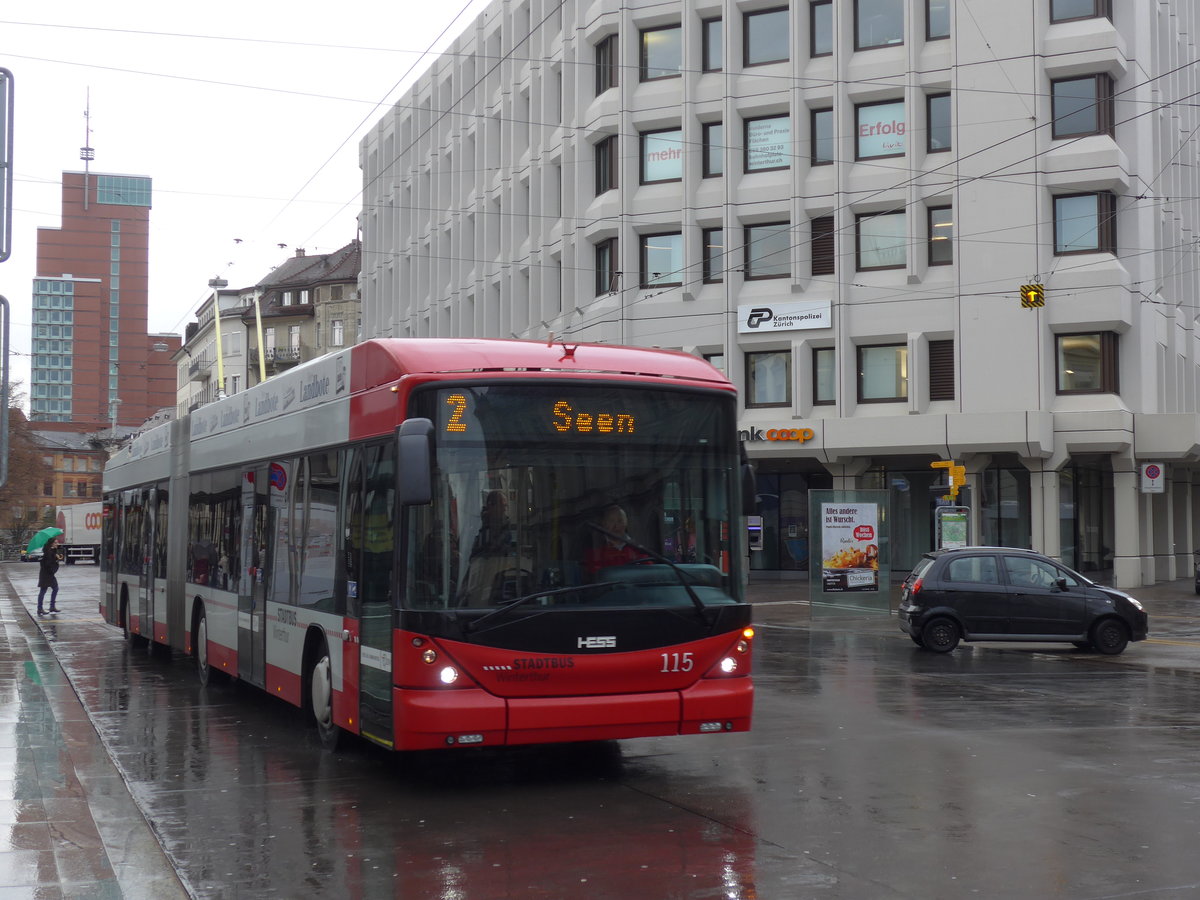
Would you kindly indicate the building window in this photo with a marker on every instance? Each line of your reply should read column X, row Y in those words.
column 824, row 246
column 880, row 129
column 1069, row 10
column 941, row 235
column 335, row 293
column 822, row 137
column 882, row 373
column 824, row 377
column 769, row 378
column 1082, row 106
column 937, row 119
column 714, row 149
column 1087, row 363
column 937, row 19
column 941, row 370
column 881, row 241
column 820, row 28
column 123, row 190
column 606, row 267
column 711, row 58
column 714, row 255
column 716, row 360
column 765, row 36
column 768, row 251
column 662, row 259
column 337, row 333
column 768, row 143
column 878, row 23
column 286, row 298
column 294, row 339
column 662, row 156
column 662, row 52
column 606, row 165
column 606, row 64
column 1085, row 223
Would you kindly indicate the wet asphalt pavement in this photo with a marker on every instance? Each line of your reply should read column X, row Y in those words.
column 874, row 769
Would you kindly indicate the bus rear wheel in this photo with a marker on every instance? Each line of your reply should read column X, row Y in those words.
column 200, row 648
column 320, row 698
column 131, row 639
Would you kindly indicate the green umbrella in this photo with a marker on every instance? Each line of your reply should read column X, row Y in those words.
column 38, row 541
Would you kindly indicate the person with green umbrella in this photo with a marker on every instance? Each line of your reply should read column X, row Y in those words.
column 47, row 577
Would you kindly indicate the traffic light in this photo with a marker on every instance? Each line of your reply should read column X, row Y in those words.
column 1033, row 295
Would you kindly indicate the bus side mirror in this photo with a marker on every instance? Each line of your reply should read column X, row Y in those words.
column 414, row 455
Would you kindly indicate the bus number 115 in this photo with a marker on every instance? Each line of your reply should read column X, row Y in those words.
column 677, row 662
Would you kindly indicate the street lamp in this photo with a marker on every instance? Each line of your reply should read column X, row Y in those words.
column 216, row 284
column 112, row 408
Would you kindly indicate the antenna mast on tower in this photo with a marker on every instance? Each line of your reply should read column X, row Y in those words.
column 86, row 153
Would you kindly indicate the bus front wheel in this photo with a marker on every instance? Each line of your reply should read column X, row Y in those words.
column 320, row 698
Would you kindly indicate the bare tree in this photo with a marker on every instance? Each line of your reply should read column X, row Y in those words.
column 21, row 509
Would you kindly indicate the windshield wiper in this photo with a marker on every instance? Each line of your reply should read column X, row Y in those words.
column 701, row 609
column 511, row 604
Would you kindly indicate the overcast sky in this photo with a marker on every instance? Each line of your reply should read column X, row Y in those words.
column 246, row 115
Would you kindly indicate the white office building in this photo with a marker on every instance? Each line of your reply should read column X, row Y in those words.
column 909, row 230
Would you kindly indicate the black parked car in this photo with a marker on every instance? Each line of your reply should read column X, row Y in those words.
column 1007, row 594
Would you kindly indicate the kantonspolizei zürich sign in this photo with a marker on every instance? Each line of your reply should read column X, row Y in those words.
column 788, row 315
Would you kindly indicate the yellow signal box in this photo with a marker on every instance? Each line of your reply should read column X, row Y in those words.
column 1033, row 295
column 957, row 473
column 958, row 477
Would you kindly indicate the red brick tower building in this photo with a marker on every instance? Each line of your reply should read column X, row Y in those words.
column 94, row 363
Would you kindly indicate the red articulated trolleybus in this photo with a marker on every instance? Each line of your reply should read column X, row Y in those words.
column 416, row 542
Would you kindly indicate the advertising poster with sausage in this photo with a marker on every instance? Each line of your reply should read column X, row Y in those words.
column 850, row 546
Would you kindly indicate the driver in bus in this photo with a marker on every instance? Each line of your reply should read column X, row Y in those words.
column 614, row 549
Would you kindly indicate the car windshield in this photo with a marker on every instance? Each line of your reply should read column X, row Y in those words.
column 588, row 496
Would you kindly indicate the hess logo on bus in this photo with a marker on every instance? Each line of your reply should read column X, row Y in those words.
column 598, row 642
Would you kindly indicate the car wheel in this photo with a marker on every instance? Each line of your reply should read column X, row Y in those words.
column 1110, row 636
column 940, row 635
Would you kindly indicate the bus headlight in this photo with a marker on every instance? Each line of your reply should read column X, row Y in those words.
column 448, row 675
column 729, row 665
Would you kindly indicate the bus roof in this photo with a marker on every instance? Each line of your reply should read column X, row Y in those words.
column 333, row 378
column 392, row 358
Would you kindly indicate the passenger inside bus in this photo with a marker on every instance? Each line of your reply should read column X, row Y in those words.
column 495, row 571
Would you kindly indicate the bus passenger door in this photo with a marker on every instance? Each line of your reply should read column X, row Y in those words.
column 255, row 576
column 372, row 531
column 146, row 578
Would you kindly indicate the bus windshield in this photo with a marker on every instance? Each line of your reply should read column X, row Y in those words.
column 575, row 494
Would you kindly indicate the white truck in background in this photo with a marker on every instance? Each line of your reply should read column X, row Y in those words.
column 81, row 524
